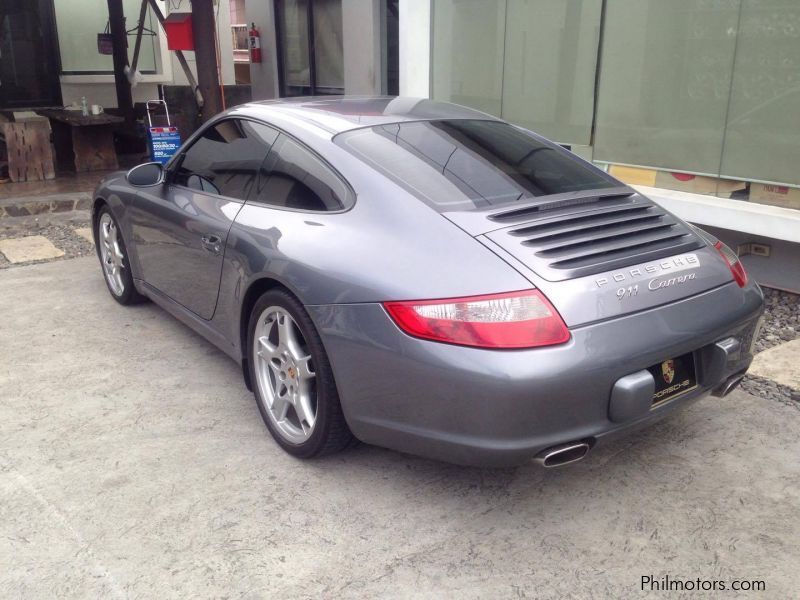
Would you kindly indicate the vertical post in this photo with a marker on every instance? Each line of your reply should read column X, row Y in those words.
column 415, row 47
column 116, row 19
column 205, row 52
column 312, row 53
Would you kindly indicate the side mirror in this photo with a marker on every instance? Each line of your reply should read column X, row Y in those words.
column 146, row 175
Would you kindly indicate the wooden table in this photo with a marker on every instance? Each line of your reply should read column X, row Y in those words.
column 83, row 143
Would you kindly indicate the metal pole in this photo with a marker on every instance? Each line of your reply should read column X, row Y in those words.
column 181, row 58
column 205, row 53
column 116, row 19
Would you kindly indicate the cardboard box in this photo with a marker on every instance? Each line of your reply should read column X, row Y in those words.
column 634, row 175
column 776, row 195
column 698, row 184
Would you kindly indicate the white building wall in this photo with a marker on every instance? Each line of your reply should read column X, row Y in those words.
column 264, row 76
column 415, row 48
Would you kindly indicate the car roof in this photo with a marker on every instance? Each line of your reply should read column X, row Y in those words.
column 336, row 114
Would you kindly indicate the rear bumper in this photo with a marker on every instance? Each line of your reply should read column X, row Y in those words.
column 494, row 408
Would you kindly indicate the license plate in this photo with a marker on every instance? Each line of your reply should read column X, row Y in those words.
column 674, row 376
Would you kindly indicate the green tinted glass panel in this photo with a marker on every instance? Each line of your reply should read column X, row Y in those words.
column 664, row 82
column 550, row 62
column 468, row 40
column 763, row 135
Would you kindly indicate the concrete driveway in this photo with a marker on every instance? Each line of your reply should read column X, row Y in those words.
column 133, row 463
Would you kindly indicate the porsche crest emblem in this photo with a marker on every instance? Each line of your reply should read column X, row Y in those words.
column 668, row 370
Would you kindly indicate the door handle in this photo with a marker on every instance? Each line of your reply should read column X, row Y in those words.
column 211, row 242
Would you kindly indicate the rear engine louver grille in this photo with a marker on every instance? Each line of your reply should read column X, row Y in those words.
column 584, row 240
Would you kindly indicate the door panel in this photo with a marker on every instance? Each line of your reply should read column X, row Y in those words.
column 180, row 236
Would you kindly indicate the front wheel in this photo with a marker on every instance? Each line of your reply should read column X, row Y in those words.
column 114, row 259
column 293, row 380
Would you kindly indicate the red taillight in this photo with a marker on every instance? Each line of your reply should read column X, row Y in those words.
column 736, row 266
column 513, row 320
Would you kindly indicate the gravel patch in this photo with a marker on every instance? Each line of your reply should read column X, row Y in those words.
column 62, row 235
column 769, row 390
column 781, row 325
column 781, row 319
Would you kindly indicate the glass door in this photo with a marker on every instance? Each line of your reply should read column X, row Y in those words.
column 310, row 57
column 28, row 56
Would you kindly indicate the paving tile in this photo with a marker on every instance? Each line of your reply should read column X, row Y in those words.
column 780, row 364
column 26, row 249
column 86, row 233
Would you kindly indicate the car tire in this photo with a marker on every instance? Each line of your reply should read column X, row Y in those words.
column 113, row 257
column 284, row 385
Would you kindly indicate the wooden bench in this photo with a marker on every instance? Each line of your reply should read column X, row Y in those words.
column 83, row 143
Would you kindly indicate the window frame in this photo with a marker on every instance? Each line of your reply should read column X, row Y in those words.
column 176, row 161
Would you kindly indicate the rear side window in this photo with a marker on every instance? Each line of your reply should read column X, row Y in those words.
column 292, row 177
column 463, row 164
column 226, row 158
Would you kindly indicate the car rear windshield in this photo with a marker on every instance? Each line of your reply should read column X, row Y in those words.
column 463, row 164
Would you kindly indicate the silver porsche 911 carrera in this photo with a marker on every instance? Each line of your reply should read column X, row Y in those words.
column 428, row 278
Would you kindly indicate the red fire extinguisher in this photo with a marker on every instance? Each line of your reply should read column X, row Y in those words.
column 255, row 45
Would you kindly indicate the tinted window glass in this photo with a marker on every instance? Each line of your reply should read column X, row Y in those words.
column 226, row 158
column 460, row 164
column 292, row 177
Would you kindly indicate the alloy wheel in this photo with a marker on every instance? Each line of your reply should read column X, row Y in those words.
column 285, row 374
column 111, row 254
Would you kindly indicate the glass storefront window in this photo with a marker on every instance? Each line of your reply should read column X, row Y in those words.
column 310, row 47
column 550, row 63
column 79, row 22
column 293, row 24
column 762, row 141
column 467, row 45
column 695, row 95
column 328, row 51
column 664, row 83
column 28, row 58
column 530, row 61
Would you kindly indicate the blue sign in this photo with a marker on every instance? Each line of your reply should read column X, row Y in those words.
column 164, row 143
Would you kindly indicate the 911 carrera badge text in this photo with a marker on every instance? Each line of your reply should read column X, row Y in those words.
column 657, row 284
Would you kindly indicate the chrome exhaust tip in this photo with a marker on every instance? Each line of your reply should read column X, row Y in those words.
column 558, row 456
column 728, row 386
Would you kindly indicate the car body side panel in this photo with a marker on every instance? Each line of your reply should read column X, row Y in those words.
column 388, row 246
column 466, row 405
column 479, row 406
